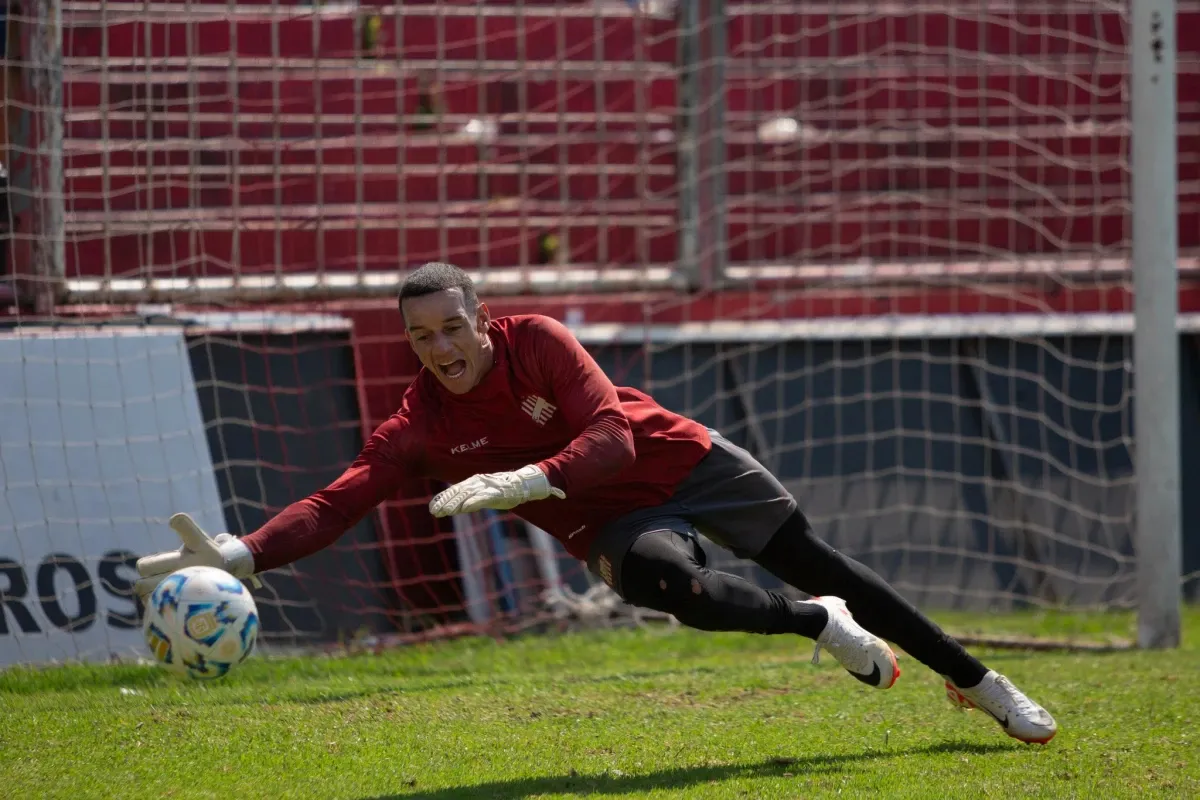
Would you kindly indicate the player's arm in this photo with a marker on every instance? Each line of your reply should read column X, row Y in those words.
column 301, row 529
column 603, row 443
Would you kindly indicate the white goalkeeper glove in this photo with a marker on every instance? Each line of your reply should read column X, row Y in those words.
column 225, row 552
column 498, row 490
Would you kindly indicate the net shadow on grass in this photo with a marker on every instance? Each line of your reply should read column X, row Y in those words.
column 683, row 777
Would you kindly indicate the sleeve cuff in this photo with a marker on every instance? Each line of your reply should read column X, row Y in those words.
column 239, row 561
column 553, row 476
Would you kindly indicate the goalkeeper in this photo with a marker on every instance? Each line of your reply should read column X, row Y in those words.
column 513, row 413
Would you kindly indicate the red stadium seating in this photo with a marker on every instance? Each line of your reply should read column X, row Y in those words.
column 201, row 145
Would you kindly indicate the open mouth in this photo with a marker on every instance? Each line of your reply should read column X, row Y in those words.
column 453, row 369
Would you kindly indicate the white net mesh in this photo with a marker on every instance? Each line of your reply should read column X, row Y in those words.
column 909, row 224
column 238, row 140
column 942, row 132
column 896, row 164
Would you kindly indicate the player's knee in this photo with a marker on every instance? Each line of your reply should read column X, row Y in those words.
column 681, row 584
column 664, row 585
column 684, row 592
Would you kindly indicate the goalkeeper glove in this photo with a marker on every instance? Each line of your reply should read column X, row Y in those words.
column 225, row 552
column 498, row 490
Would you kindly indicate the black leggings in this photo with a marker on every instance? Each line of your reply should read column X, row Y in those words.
column 665, row 570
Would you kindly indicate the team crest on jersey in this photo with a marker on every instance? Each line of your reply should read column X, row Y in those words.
column 538, row 408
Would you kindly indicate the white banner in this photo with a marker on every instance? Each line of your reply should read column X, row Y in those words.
column 101, row 441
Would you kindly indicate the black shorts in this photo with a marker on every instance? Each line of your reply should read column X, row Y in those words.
column 729, row 497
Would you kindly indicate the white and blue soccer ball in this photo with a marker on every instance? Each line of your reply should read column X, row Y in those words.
column 200, row 622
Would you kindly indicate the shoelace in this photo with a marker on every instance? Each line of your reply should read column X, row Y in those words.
column 1003, row 693
column 816, row 659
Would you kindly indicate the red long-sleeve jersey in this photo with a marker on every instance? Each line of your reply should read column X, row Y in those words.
column 545, row 401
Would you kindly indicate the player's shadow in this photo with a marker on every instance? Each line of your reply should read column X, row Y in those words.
column 681, row 778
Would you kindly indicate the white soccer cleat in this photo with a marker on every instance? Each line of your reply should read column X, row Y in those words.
column 864, row 655
column 1020, row 717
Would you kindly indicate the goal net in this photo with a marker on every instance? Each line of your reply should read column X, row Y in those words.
column 883, row 246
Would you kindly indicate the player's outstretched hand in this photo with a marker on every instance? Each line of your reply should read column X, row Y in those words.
column 498, row 490
column 198, row 550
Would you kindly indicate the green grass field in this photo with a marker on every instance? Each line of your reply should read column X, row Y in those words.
column 654, row 713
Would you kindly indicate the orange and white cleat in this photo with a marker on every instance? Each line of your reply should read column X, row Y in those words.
column 1020, row 717
column 864, row 655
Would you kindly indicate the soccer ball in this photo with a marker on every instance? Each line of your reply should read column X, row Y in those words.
column 200, row 622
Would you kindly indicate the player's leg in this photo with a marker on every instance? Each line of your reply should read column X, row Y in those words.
column 660, row 564
column 665, row 570
column 796, row 555
column 736, row 500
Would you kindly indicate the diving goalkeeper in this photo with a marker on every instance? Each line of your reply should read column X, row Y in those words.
column 513, row 413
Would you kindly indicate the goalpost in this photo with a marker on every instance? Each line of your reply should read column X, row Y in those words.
column 1156, row 344
column 924, row 260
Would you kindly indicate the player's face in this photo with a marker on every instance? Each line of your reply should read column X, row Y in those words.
column 450, row 339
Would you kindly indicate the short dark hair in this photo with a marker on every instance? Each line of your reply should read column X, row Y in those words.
column 438, row 277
